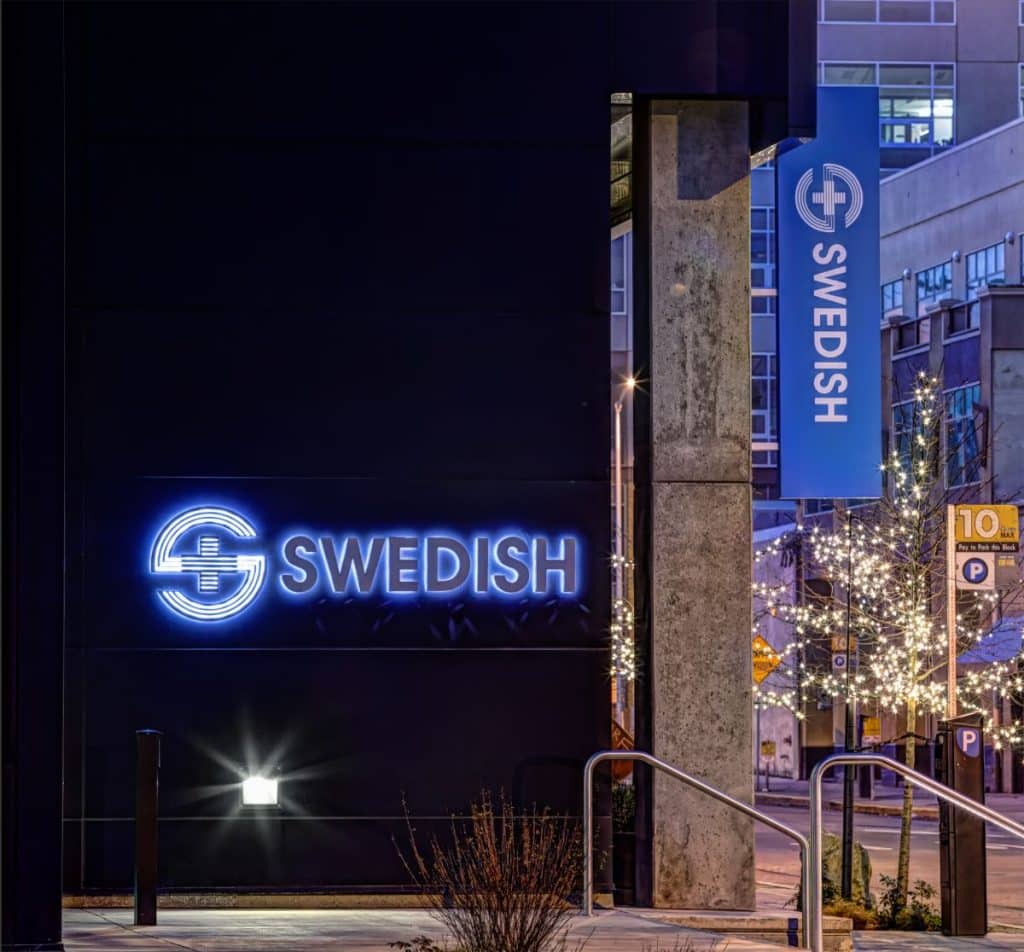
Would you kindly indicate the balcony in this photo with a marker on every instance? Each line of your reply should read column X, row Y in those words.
column 909, row 335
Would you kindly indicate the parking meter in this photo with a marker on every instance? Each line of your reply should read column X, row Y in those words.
column 960, row 764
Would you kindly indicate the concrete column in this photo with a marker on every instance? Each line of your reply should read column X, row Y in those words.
column 701, row 517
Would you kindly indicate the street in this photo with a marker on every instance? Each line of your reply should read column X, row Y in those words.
column 778, row 861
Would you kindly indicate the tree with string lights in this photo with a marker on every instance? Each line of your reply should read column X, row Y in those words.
column 880, row 580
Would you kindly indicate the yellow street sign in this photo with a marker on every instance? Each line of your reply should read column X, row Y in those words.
column 987, row 528
column 767, row 748
column 872, row 730
column 766, row 659
column 839, row 643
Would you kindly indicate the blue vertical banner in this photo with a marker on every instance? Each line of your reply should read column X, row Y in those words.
column 830, row 418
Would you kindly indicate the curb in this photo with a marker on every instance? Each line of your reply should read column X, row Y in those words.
column 870, row 809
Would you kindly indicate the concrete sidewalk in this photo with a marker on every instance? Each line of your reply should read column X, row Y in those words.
column 887, row 801
column 366, row 930
column 358, row 930
column 931, row 942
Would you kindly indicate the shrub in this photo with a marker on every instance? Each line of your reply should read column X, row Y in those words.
column 503, row 883
column 917, row 915
column 863, row 918
column 421, row 943
column 623, row 807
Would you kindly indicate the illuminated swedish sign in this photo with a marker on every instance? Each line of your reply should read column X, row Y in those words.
column 203, row 577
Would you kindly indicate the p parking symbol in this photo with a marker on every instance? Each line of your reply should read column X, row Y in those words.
column 975, row 571
column 968, row 739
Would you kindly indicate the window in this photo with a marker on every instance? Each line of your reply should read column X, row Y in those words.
column 620, row 276
column 915, row 105
column 762, row 247
column 762, row 305
column 963, row 455
column 892, row 296
column 933, row 284
column 985, row 267
column 763, row 374
column 888, row 11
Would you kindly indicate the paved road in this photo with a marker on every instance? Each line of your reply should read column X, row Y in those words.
column 778, row 862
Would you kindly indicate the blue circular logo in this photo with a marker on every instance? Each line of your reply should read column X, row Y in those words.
column 190, row 545
column 975, row 571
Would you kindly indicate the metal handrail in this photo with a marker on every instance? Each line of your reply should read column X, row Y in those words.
column 812, row 917
column 588, row 822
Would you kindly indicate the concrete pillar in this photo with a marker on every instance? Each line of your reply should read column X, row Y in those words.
column 700, row 506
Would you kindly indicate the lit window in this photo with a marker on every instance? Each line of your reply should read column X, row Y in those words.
column 915, row 104
column 963, row 455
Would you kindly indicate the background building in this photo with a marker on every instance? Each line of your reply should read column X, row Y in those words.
column 951, row 304
column 947, row 70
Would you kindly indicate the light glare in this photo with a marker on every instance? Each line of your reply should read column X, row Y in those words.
column 259, row 792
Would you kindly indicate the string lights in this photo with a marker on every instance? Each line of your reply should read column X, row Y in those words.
column 886, row 570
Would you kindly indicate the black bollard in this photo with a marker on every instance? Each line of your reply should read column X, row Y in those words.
column 147, row 780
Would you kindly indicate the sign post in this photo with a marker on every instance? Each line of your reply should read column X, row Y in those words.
column 950, row 614
column 766, row 660
column 982, row 542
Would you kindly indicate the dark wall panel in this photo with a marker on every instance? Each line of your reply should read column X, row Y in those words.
column 341, row 268
column 341, row 265
column 352, row 733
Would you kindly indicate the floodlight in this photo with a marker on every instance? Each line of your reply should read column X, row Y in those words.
column 259, row 792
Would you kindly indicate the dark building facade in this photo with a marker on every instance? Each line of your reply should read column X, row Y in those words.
column 306, row 419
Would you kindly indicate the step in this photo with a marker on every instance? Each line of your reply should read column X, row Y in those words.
column 773, row 928
column 869, row 807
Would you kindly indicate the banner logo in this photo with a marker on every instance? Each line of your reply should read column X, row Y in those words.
column 831, row 199
column 191, row 544
column 830, row 406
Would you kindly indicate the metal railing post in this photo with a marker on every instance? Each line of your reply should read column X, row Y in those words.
column 813, row 920
column 147, row 779
column 588, row 837
column 744, row 808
